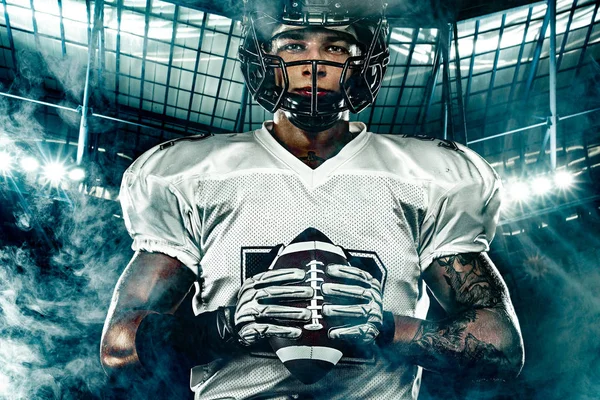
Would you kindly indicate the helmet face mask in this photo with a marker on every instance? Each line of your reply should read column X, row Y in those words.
column 267, row 75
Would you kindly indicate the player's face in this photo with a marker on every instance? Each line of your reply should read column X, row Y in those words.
column 313, row 44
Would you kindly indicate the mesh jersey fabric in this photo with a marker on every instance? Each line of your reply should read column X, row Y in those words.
column 403, row 201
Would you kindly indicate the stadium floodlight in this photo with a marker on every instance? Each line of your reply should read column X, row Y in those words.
column 563, row 179
column 29, row 164
column 76, row 174
column 519, row 191
column 5, row 162
column 541, row 185
column 54, row 172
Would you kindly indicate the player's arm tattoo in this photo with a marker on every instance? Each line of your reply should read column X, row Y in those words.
column 469, row 278
column 481, row 337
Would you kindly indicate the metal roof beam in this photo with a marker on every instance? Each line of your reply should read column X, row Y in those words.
column 411, row 51
column 447, row 113
column 566, row 35
column 212, row 118
column 168, row 80
column 587, row 40
column 490, row 91
column 550, row 133
column 431, row 84
column 10, row 37
column 513, row 85
column 99, row 60
column 195, row 74
column 536, row 54
column 515, row 80
column 34, row 25
column 62, row 28
column 459, row 88
column 552, row 129
column 118, row 49
column 82, row 142
column 145, row 50
column 471, row 66
column 101, row 55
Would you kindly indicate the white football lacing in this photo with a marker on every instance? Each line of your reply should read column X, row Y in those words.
column 315, row 306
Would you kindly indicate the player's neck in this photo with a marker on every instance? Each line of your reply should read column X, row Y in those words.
column 312, row 148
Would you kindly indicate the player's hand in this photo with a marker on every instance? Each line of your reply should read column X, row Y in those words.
column 359, row 299
column 262, row 302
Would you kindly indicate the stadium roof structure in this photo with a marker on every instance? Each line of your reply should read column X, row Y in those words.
column 115, row 77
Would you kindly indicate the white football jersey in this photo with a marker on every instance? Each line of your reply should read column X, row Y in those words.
column 221, row 204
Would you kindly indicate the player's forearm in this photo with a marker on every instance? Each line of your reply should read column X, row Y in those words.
column 142, row 347
column 118, row 354
column 481, row 343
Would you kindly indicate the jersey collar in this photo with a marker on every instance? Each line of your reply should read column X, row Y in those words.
column 313, row 178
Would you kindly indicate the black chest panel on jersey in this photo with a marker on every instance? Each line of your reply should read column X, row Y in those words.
column 255, row 260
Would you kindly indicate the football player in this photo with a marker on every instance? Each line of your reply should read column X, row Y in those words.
column 209, row 213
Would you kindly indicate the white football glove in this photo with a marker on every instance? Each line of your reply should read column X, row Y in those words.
column 261, row 298
column 360, row 298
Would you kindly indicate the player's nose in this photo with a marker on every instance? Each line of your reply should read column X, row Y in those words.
column 321, row 70
column 315, row 53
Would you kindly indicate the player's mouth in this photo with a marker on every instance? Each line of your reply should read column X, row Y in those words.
column 307, row 91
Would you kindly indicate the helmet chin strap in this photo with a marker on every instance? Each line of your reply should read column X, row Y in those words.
column 314, row 124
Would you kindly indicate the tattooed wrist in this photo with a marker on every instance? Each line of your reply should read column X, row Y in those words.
column 450, row 347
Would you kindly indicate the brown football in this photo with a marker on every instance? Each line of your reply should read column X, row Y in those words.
column 310, row 357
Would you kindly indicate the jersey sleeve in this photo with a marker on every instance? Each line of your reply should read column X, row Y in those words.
column 462, row 218
column 158, row 217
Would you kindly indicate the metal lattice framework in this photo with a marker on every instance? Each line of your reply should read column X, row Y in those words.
column 139, row 72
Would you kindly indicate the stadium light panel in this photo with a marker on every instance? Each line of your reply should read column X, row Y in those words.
column 76, row 174
column 541, row 185
column 54, row 172
column 563, row 179
column 29, row 164
column 519, row 191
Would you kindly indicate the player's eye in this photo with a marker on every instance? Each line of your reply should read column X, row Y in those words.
column 337, row 49
column 292, row 47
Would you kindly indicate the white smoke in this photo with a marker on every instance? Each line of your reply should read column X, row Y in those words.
column 53, row 302
column 59, row 259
